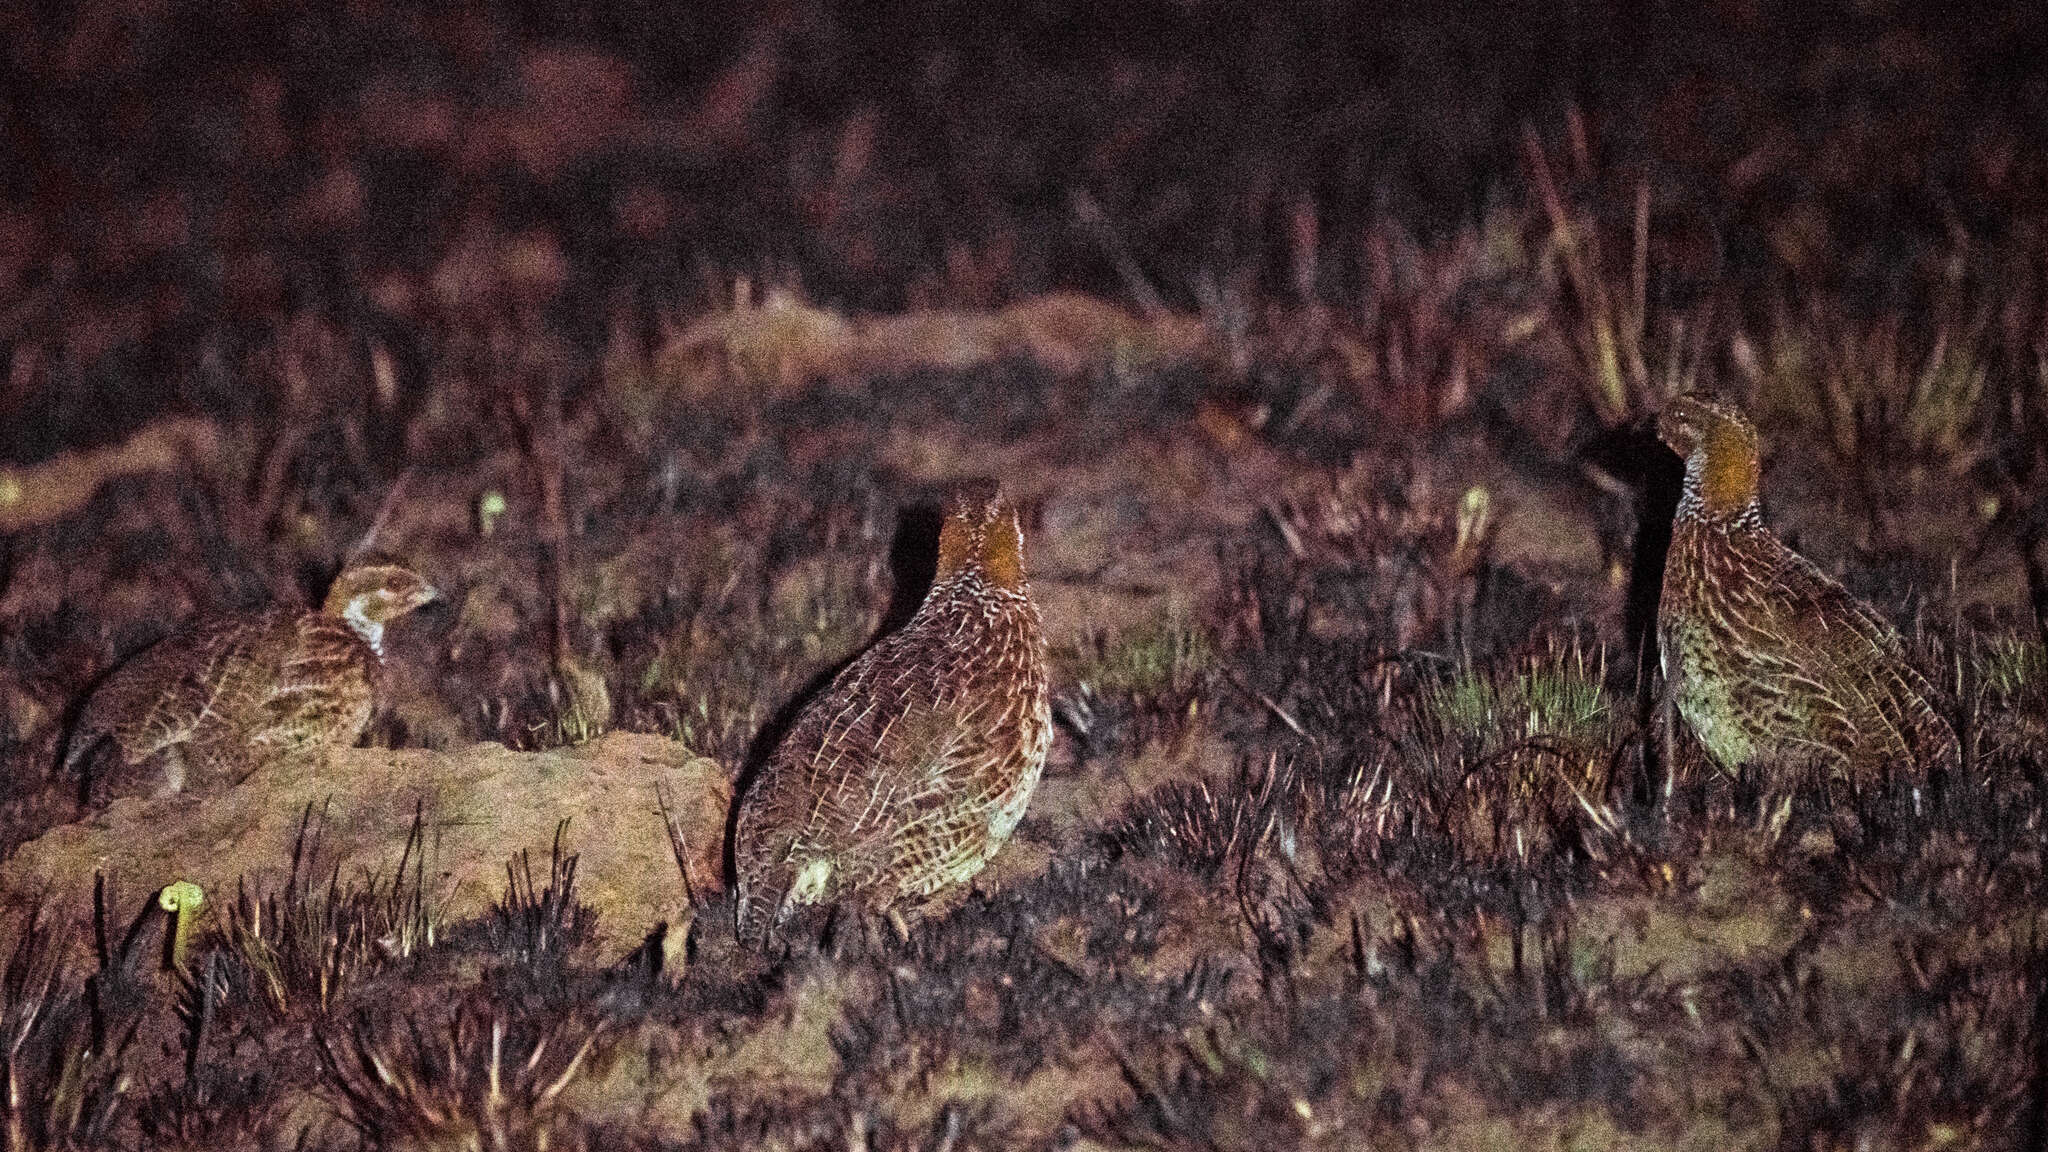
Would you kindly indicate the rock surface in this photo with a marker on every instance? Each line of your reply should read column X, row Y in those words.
column 481, row 805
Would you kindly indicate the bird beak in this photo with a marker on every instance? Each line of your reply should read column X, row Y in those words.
column 1674, row 432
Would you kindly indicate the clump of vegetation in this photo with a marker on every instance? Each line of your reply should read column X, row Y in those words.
column 1558, row 697
column 1392, row 553
column 1630, row 348
column 1167, row 657
column 66, row 1064
column 1274, row 839
column 489, row 1084
column 299, row 950
column 1516, row 756
column 2013, row 670
column 531, row 925
column 1898, row 406
column 1144, row 681
column 2012, row 674
column 1199, row 825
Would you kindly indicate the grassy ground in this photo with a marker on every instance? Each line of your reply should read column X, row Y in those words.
column 1318, row 348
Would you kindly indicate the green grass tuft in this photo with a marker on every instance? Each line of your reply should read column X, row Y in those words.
column 1167, row 655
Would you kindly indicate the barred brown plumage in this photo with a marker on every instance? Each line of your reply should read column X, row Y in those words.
column 207, row 705
column 903, row 778
column 1769, row 659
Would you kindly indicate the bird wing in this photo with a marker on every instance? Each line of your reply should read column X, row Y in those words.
column 809, row 787
column 311, row 685
column 1864, row 689
column 926, row 814
column 167, row 692
column 883, row 763
column 869, row 775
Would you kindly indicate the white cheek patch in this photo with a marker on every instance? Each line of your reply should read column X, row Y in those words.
column 370, row 630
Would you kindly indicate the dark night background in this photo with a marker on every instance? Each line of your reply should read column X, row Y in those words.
column 1319, row 344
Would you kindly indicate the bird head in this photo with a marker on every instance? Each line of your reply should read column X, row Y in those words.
column 373, row 595
column 1719, row 444
column 981, row 535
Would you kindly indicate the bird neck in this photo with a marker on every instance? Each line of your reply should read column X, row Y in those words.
column 991, row 556
column 359, row 622
column 973, row 585
column 1722, row 480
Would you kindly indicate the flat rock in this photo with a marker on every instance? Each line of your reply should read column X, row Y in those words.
column 480, row 806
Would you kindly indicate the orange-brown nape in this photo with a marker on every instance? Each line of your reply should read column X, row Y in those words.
column 897, row 784
column 1719, row 444
column 1769, row 660
column 981, row 534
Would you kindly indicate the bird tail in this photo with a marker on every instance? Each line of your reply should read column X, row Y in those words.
column 753, row 915
column 1932, row 742
column 761, row 902
column 758, row 905
column 88, row 732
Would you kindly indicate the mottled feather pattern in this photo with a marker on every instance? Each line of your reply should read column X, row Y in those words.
column 903, row 778
column 1770, row 659
column 210, row 703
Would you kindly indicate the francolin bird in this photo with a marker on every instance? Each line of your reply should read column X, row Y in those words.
column 1770, row 660
column 901, row 780
column 207, row 705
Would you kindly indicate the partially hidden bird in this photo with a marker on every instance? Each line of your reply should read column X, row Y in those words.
column 209, row 704
column 897, row 784
column 1768, row 659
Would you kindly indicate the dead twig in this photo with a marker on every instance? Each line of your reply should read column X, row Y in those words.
column 391, row 498
column 537, row 422
column 677, row 842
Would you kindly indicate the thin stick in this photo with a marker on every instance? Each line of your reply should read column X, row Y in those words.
column 383, row 517
column 676, row 841
column 1092, row 217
